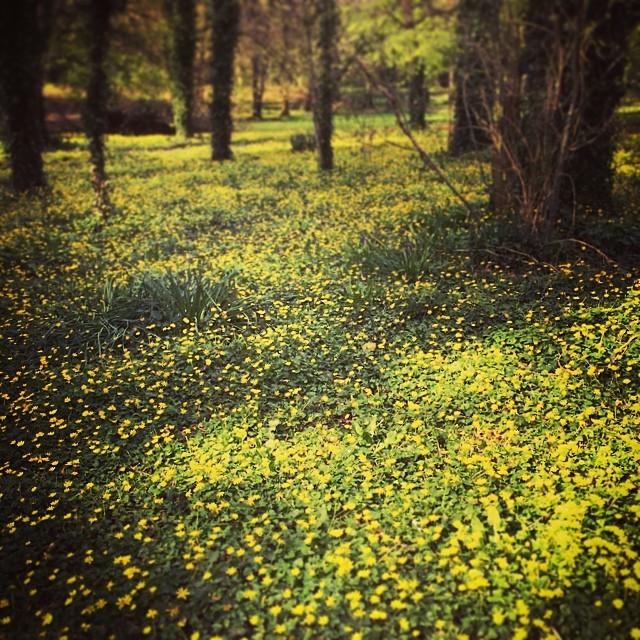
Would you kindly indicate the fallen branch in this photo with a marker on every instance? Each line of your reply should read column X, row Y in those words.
column 601, row 253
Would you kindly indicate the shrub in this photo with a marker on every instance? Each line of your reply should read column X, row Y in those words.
column 303, row 142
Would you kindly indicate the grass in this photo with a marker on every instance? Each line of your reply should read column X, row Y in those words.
column 263, row 402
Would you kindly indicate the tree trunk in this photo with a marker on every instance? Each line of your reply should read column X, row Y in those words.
column 418, row 97
column 286, row 107
column 506, row 133
column 258, row 80
column 21, row 91
column 323, row 85
column 226, row 18
column 95, row 111
column 181, row 16
column 590, row 169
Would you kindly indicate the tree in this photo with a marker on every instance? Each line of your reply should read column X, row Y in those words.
column 100, row 13
column 474, row 91
column 418, row 95
column 557, row 69
column 181, row 17
column 256, row 26
column 322, row 29
column 286, row 48
column 225, row 22
column 590, row 167
column 21, row 90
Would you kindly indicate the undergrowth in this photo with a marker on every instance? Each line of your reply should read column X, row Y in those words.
column 261, row 402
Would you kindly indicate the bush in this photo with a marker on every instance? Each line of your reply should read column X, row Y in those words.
column 303, row 142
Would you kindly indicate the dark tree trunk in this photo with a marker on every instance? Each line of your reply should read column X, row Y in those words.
column 473, row 85
column 181, row 16
column 323, row 89
column 226, row 19
column 21, row 91
column 418, row 97
column 590, row 169
column 258, row 80
column 95, row 110
column 507, row 131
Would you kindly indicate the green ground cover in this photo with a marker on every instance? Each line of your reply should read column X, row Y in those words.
column 261, row 402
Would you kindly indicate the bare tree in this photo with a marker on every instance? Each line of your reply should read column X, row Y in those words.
column 550, row 111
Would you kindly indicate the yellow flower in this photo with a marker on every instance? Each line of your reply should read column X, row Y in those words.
column 498, row 616
column 376, row 614
column 182, row 593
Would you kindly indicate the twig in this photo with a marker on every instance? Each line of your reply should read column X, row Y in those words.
column 601, row 253
column 533, row 259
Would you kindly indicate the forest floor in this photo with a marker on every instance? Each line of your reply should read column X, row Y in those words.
column 262, row 402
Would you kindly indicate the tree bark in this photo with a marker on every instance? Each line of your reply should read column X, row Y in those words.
column 95, row 110
column 21, row 92
column 590, row 169
column 181, row 16
column 258, row 80
column 226, row 18
column 506, row 132
column 323, row 86
column 418, row 97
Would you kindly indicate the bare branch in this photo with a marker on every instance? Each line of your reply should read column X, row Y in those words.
column 425, row 158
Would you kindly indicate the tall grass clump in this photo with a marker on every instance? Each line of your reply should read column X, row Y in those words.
column 428, row 246
column 152, row 302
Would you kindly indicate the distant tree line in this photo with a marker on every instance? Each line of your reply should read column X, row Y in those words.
column 535, row 83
